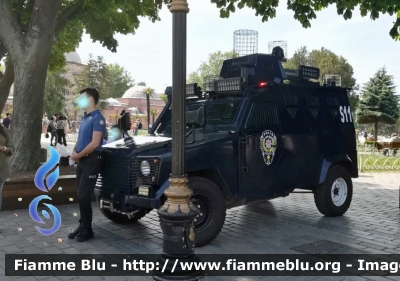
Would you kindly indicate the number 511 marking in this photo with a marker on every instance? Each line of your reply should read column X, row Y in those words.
column 345, row 114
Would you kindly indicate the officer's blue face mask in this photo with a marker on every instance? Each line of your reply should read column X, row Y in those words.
column 83, row 102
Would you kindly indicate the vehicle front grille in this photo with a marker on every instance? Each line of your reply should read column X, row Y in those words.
column 145, row 180
column 117, row 174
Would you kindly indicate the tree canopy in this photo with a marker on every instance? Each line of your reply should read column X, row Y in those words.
column 94, row 75
column 327, row 61
column 111, row 80
column 210, row 67
column 56, row 90
column 305, row 10
column 379, row 102
column 120, row 80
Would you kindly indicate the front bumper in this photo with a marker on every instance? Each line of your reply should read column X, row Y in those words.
column 127, row 203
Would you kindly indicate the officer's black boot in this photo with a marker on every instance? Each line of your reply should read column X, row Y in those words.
column 85, row 234
column 76, row 232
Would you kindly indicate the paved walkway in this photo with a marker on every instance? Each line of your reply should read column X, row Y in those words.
column 372, row 224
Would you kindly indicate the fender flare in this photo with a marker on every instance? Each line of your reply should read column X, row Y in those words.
column 161, row 190
column 327, row 163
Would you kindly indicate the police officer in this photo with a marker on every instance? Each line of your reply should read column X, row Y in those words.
column 87, row 153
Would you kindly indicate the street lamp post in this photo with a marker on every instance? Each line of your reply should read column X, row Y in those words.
column 178, row 213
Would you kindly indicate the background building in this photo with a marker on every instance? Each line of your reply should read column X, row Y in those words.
column 73, row 68
column 134, row 101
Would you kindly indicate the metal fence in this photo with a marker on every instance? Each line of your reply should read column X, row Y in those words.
column 71, row 137
column 378, row 163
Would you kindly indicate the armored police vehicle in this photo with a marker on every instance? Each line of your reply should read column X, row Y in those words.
column 257, row 132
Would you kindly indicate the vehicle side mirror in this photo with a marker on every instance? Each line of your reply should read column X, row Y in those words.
column 195, row 117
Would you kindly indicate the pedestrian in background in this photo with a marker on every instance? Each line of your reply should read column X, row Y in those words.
column 73, row 124
column 45, row 123
column 7, row 121
column 52, row 129
column 87, row 153
column 137, row 127
column 6, row 150
column 61, row 124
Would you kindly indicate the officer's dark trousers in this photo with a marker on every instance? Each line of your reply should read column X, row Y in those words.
column 87, row 171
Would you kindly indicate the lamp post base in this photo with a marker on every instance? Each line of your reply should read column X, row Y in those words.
column 177, row 216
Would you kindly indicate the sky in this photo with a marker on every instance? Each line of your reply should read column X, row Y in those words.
column 147, row 54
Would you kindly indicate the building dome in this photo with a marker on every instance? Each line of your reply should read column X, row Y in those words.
column 135, row 92
column 73, row 57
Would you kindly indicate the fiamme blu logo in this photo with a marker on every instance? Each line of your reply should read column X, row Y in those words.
column 45, row 184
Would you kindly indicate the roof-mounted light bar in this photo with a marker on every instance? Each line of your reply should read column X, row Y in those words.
column 308, row 72
column 228, row 85
column 191, row 90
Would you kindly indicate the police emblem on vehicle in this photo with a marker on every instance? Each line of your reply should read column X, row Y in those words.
column 268, row 142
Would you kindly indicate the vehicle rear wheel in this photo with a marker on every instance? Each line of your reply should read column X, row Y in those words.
column 208, row 198
column 122, row 219
column 333, row 197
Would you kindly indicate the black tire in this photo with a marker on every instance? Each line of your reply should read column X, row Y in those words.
column 323, row 195
column 123, row 219
column 209, row 199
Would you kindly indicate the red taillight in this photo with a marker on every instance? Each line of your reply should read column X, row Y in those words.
column 262, row 84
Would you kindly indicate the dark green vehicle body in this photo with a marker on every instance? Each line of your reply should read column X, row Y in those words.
column 304, row 128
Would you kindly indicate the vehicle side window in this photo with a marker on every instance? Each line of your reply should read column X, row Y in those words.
column 263, row 115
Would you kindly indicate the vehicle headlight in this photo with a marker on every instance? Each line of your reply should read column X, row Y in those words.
column 145, row 168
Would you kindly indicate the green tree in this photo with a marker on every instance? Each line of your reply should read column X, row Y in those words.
column 354, row 99
column 378, row 101
column 164, row 97
column 119, row 79
column 305, row 11
column 95, row 75
column 34, row 35
column 300, row 57
column 149, row 92
column 209, row 68
column 327, row 62
column 56, row 89
column 153, row 113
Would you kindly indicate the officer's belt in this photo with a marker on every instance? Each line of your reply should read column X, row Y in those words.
column 94, row 153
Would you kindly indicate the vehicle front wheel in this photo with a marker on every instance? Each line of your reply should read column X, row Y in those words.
column 122, row 219
column 333, row 197
column 208, row 198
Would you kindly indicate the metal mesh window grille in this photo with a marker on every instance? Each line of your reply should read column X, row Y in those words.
column 262, row 115
column 222, row 113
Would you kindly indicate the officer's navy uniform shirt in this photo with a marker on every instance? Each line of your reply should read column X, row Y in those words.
column 91, row 122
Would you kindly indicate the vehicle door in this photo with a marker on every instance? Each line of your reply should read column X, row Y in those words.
column 261, row 149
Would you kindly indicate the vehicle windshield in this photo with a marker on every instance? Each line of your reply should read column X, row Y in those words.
column 220, row 115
